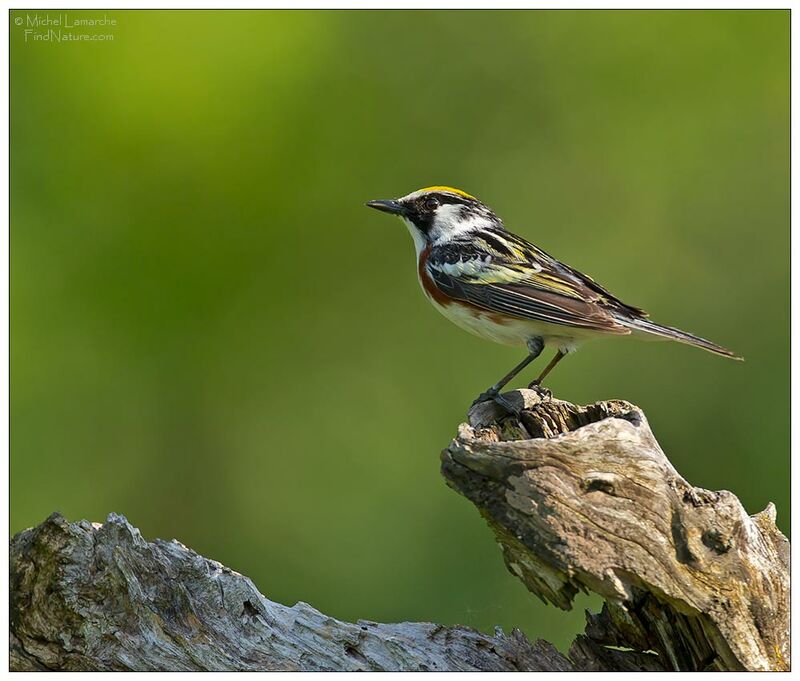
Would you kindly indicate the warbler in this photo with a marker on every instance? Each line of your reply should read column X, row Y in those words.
column 499, row 286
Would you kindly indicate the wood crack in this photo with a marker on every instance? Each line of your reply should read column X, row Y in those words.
column 690, row 581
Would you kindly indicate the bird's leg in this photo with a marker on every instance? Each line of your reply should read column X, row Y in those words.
column 537, row 384
column 535, row 347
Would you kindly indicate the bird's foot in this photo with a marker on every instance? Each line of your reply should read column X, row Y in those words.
column 544, row 393
column 492, row 395
column 486, row 396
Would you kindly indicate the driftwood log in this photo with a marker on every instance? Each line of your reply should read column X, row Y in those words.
column 579, row 498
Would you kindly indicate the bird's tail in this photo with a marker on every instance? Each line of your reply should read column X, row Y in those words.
column 671, row 333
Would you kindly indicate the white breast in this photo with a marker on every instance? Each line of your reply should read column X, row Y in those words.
column 507, row 330
column 515, row 332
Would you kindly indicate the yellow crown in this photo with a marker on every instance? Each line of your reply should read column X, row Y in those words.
column 442, row 188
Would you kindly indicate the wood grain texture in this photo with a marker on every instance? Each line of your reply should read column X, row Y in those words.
column 99, row 597
column 583, row 498
column 580, row 498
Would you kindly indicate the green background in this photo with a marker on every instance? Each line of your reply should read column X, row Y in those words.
column 212, row 335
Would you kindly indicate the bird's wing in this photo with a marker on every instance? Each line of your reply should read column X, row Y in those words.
column 501, row 272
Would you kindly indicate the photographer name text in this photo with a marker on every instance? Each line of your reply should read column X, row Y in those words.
column 62, row 27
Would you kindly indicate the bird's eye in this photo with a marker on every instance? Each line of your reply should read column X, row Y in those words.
column 431, row 203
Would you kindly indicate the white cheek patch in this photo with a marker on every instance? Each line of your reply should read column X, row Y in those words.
column 449, row 221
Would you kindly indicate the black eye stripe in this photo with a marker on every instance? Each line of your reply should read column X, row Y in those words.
column 444, row 198
column 423, row 215
column 425, row 204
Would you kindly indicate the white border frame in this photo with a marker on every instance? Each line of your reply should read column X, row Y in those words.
column 354, row 4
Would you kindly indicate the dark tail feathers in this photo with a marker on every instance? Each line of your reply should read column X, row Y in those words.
column 677, row 335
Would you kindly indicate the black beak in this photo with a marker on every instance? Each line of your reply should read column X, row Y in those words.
column 388, row 206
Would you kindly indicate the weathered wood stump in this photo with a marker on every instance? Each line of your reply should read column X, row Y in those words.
column 579, row 498
column 583, row 498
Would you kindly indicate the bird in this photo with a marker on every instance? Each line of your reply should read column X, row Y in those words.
column 495, row 284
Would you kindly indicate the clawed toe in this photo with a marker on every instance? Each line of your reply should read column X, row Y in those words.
column 497, row 398
column 544, row 393
column 505, row 404
column 486, row 396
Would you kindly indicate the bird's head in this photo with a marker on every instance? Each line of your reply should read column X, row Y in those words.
column 439, row 214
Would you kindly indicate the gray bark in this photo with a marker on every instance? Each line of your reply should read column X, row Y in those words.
column 583, row 499
column 99, row 597
column 579, row 498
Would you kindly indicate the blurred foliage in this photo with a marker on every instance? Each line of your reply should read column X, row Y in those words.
column 212, row 335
